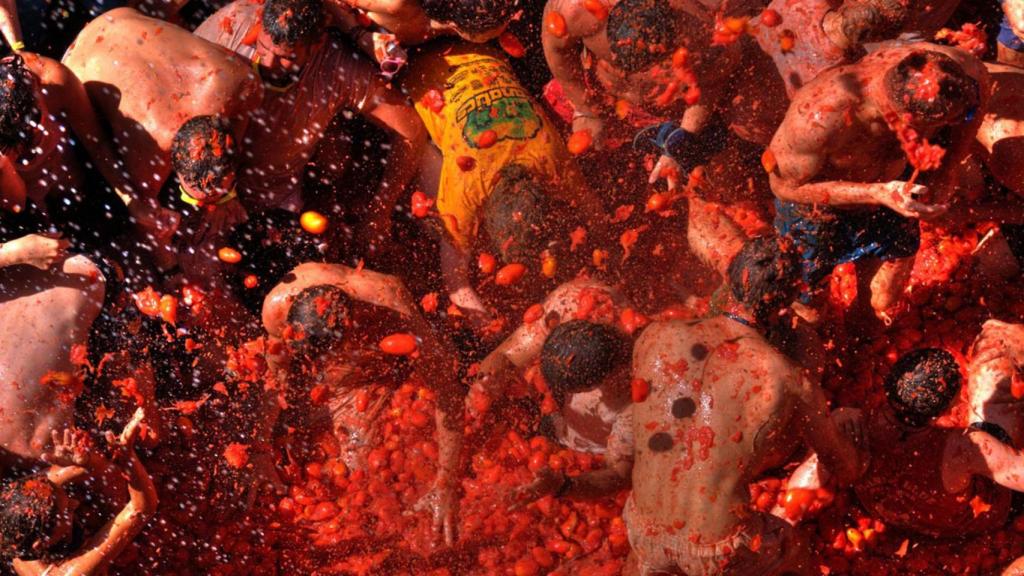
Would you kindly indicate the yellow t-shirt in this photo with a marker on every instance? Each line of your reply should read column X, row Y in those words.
column 481, row 95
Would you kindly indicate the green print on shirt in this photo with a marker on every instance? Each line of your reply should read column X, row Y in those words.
column 512, row 117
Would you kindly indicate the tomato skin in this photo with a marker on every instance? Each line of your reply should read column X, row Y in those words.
column 639, row 390
column 554, row 24
column 511, row 45
column 510, row 274
column 229, row 255
column 399, row 344
column 580, row 142
column 313, row 222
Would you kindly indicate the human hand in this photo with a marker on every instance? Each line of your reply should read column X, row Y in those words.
column 69, row 449
column 592, row 123
column 547, row 482
column 668, row 169
column 999, row 340
column 38, row 250
column 442, row 503
column 903, row 198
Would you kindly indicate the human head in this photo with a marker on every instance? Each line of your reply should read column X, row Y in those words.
column 921, row 385
column 870, row 20
column 764, row 277
column 641, row 33
column 18, row 105
column 321, row 313
column 35, row 514
column 516, row 215
column 579, row 355
column 204, row 156
column 290, row 28
column 932, row 88
column 473, row 20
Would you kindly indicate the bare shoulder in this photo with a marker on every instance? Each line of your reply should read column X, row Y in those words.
column 565, row 298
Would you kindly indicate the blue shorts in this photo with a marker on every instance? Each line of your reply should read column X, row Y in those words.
column 825, row 237
column 1008, row 38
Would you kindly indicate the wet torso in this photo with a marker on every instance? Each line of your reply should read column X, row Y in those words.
column 708, row 427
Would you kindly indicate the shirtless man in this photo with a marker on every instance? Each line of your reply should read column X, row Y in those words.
column 993, row 381
column 720, row 407
column 591, row 389
column 629, row 48
column 310, row 76
column 37, row 520
column 834, row 199
column 805, row 38
column 44, row 112
column 128, row 62
column 514, row 197
column 48, row 301
column 331, row 321
column 923, row 478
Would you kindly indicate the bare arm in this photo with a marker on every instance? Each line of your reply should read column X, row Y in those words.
column 712, row 235
column 837, row 452
column 111, row 540
column 9, row 25
column 408, row 138
column 82, row 118
column 12, row 186
column 982, row 454
column 1014, row 10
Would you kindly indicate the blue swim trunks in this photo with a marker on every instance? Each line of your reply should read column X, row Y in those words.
column 826, row 237
column 1008, row 38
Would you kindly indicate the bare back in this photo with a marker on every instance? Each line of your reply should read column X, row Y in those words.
column 42, row 315
column 1002, row 130
column 147, row 77
column 720, row 412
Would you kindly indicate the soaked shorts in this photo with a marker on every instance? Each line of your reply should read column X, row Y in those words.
column 760, row 546
column 1008, row 38
column 825, row 237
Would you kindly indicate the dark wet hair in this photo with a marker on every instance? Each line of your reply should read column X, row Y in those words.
column 641, row 32
column 515, row 215
column 291, row 22
column 28, row 512
column 203, row 152
column 578, row 355
column 472, row 16
column 17, row 102
column 921, row 385
column 872, row 20
column 320, row 312
column 764, row 277
column 956, row 93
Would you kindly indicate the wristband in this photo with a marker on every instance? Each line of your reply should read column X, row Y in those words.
column 17, row 45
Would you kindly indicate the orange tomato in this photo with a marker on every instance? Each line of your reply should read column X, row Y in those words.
column 596, row 8
column 639, row 390
column 229, row 255
column 510, row 274
column 169, row 309
column 148, row 301
column 770, row 18
column 786, row 41
column 486, row 263
column 549, row 267
column 251, row 281
column 511, row 45
column 421, row 204
column 554, row 24
column 487, row 139
column 313, row 222
column 533, row 313
column 399, row 344
column 465, row 163
column 656, row 202
column 580, row 142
